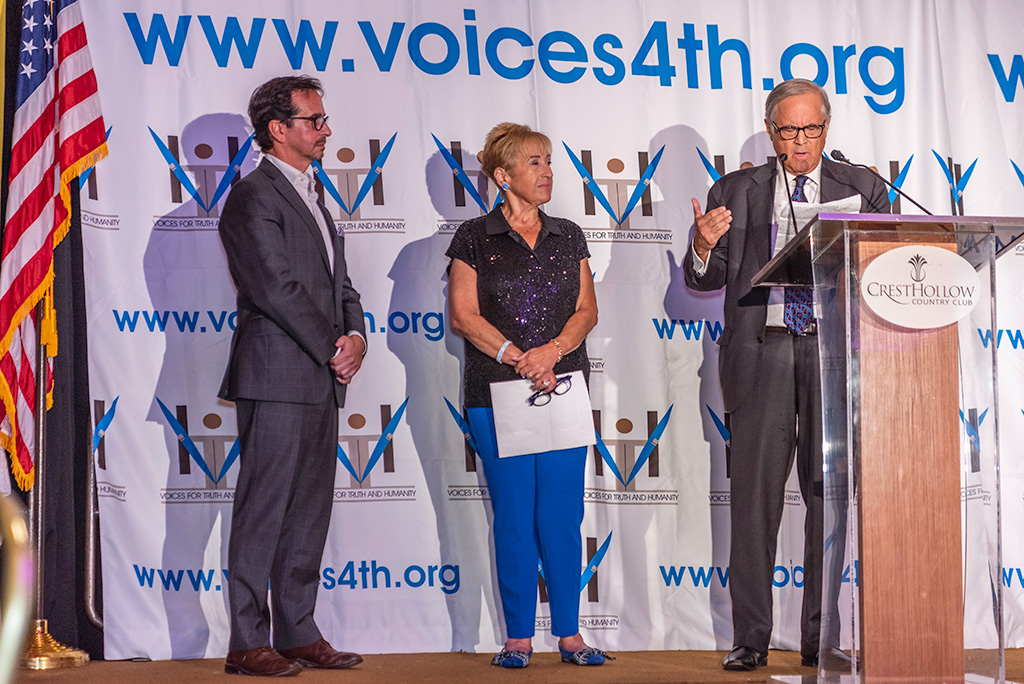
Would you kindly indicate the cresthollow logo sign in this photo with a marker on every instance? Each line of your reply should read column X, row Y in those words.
column 920, row 287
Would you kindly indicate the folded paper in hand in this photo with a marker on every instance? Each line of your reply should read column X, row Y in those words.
column 531, row 422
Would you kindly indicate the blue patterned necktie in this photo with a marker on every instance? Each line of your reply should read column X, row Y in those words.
column 799, row 300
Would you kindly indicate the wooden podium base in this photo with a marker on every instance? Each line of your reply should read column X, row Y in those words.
column 912, row 620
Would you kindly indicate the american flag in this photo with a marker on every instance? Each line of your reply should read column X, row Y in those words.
column 58, row 133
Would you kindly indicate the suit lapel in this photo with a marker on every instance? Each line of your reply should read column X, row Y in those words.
column 337, row 258
column 760, row 200
column 291, row 195
column 832, row 187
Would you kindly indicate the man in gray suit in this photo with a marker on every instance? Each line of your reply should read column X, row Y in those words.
column 298, row 343
column 768, row 357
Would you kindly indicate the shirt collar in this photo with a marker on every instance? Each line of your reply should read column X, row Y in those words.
column 496, row 223
column 814, row 176
column 301, row 179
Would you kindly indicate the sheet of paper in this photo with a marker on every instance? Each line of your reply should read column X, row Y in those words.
column 805, row 211
column 527, row 422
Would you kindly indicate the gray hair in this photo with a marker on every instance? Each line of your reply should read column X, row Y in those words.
column 795, row 86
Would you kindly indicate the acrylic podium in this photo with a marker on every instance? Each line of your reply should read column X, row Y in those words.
column 912, row 586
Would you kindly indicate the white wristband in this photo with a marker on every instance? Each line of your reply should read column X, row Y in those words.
column 501, row 351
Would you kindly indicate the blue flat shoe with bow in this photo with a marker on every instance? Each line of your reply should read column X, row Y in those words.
column 584, row 656
column 511, row 659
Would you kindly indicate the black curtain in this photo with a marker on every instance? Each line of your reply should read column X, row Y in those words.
column 68, row 423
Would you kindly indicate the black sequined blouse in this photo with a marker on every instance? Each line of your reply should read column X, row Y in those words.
column 528, row 295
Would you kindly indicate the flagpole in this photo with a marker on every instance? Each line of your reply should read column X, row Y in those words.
column 92, row 521
column 44, row 652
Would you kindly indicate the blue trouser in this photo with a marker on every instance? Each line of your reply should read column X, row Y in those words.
column 537, row 501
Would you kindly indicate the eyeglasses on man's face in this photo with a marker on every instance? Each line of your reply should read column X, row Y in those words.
column 318, row 120
column 812, row 131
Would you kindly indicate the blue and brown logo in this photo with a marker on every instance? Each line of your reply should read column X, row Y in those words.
column 898, row 176
column 721, row 497
column 618, row 195
column 1020, row 174
column 975, row 489
column 956, row 181
column 202, row 164
column 353, row 189
column 368, row 460
column 591, row 615
column 89, row 187
column 475, row 489
column 972, row 422
column 103, row 417
column 630, row 464
column 209, row 452
column 459, row 189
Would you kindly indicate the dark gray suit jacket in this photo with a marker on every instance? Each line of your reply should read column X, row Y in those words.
column 749, row 194
column 291, row 308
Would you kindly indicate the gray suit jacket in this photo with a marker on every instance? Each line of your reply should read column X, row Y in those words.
column 291, row 308
column 746, row 247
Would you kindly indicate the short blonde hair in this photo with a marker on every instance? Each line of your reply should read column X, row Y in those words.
column 504, row 145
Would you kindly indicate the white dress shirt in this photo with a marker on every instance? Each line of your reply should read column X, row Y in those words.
column 784, row 231
column 306, row 187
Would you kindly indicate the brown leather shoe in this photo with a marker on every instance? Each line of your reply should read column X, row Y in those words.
column 322, row 655
column 261, row 662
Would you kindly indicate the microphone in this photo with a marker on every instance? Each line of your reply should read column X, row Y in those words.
column 785, row 177
column 841, row 158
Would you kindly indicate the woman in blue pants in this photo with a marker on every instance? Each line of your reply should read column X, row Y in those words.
column 522, row 296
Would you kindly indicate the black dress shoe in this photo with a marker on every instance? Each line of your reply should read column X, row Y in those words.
column 830, row 658
column 744, row 658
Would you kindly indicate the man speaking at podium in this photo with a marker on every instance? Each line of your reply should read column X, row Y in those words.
column 768, row 356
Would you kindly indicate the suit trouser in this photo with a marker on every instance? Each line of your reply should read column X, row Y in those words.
column 782, row 414
column 537, row 501
column 281, row 513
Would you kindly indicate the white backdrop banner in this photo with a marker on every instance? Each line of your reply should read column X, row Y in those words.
column 654, row 100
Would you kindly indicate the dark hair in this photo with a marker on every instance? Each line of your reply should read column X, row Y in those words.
column 272, row 101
